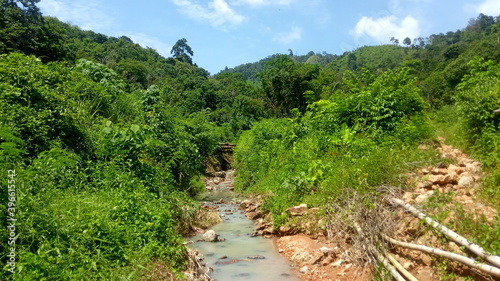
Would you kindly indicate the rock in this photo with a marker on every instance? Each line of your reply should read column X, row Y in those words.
column 316, row 258
column 327, row 251
column 210, row 236
column 328, row 260
column 245, row 204
column 227, row 262
column 254, row 215
column 285, row 230
column 209, row 188
column 425, row 171
column 256, row 257
column 220, row 174
column 436, row 179
column 444, row 179
column 304, row 269
column 466, row 181
column 268, row 230
column 338, row 263
column 427, row 260
column 298, row 210
column 425, row 185
column 437, row 171
column 221, row 239
column 300, row 257
column 450, row 178
column 223, row 257
column 441, row 165
column 456, row 169
column 198, row 230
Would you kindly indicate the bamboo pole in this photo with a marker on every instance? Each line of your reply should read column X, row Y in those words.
column 401, row 269
column 395, row 274
column 474, row 248
column 456, row 257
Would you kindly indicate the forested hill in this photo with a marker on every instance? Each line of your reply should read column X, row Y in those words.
column 106, row 142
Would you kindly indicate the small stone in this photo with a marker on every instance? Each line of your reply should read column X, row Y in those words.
column 325, row 250
column 427, row 260
column 256, row 257
column 425, row 185
column 304, row 269
column 338, row 263
column 210, row 236
column 223, row 257
column 441, row 165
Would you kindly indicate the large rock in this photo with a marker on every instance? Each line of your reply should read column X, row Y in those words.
column 298, row 210
column 210, row 236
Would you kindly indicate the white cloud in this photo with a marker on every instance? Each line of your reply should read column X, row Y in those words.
column 261, row 3
column 489, row 7
column 218, row 12
column 87, row 15
column 382, row 29
column 288, row 37
column 146, row 41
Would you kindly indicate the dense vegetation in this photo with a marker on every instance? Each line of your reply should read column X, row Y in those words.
column 108, row 139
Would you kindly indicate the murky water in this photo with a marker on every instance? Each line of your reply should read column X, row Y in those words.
column 230, row 258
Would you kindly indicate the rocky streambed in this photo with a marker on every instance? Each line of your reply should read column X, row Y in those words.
column 231, row 248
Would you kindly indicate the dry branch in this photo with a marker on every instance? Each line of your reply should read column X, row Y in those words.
column 401, row 269
column 474, row 248
column 391, row 268
column 462, row 259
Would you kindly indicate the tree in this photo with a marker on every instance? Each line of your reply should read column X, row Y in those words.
column 395, row 41
column 182, row 51
column 18, row 24
column 407, row 41
column 284, row 83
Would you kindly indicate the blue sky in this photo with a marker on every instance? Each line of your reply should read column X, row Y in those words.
column 232, row 32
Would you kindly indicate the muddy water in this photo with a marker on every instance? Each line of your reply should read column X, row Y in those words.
column 240, row 256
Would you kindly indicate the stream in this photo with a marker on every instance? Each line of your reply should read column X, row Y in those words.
column 240, row 256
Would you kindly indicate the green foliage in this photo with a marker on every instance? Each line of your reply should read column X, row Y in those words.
column 103, row 171
column 285, row 83
column 477, row 101
column 334, row 146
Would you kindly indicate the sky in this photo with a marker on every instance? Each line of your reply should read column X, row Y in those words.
column 232, row 32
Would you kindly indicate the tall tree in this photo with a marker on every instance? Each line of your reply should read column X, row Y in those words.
column 182, row 51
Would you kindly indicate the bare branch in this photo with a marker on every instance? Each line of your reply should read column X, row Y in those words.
column 476, row 249
column 456, row 257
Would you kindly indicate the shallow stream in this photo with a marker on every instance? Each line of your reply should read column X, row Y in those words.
column 240, row 256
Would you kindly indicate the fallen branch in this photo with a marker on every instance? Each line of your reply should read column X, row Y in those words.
column 456, row 257
column 474, row 248
column 401, row 269
column 391, row 268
